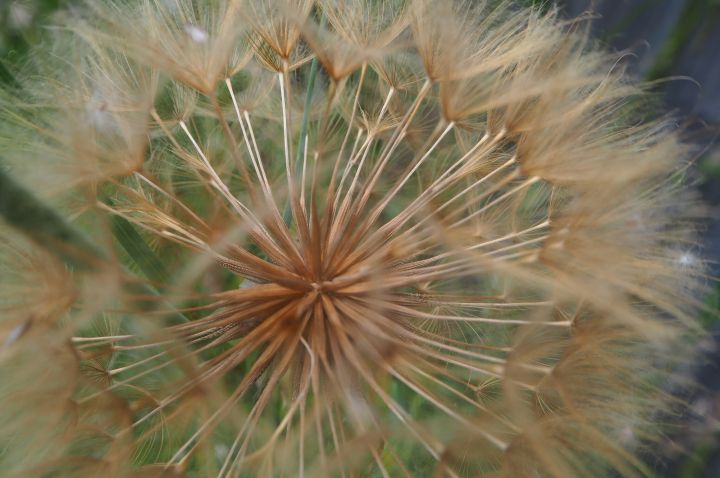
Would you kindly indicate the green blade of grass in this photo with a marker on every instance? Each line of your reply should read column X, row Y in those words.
column 137, row 249
column 146, row 260
column 150, row 265
column 24, row 211
column 314, row 66
column 21, row 209
column 692, row 22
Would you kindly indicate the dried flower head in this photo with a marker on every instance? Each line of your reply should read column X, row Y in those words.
column 341, row 238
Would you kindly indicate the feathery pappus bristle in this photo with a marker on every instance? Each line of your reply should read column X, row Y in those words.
column 344, row 238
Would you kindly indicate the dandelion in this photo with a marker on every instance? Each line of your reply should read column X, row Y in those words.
column 343, row 238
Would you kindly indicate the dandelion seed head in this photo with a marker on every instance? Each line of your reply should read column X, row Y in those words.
column 350, row 237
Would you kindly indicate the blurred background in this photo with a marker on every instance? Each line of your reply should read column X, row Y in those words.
column 674, row 43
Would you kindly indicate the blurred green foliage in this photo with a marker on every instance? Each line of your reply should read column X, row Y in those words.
column 20, row 22
column 694, row 21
